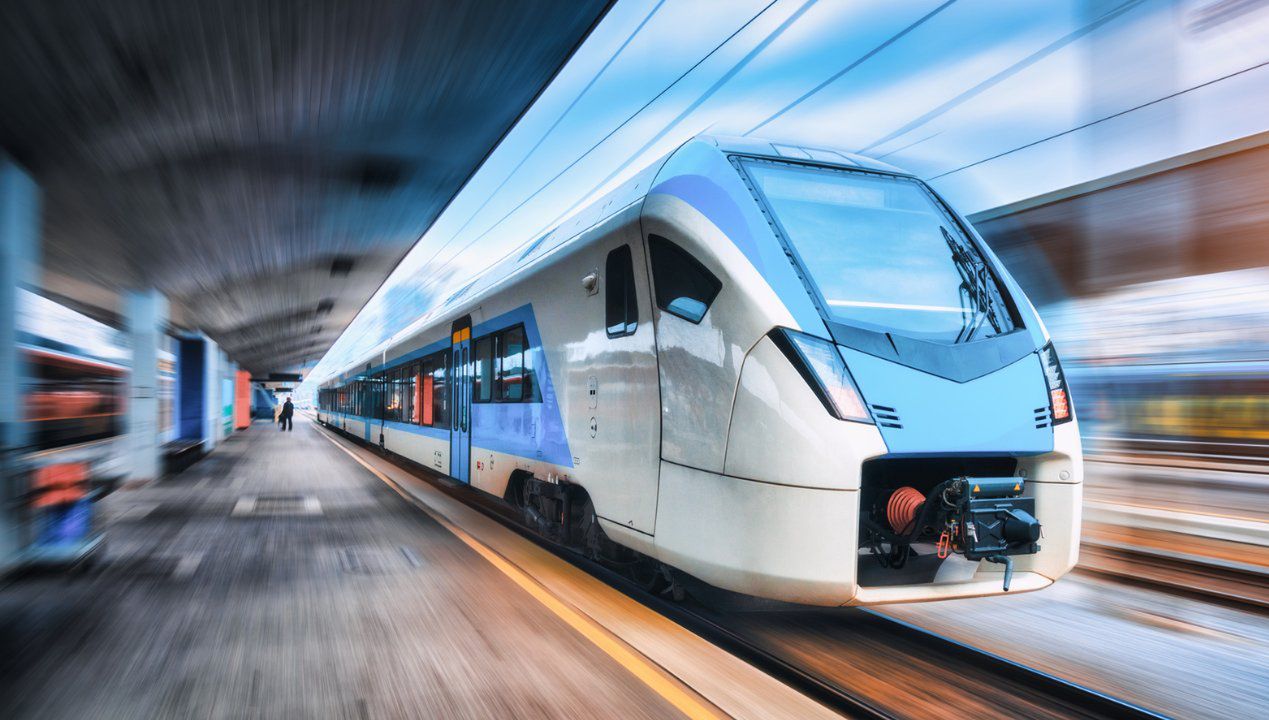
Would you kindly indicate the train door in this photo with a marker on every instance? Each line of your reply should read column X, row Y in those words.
column 460, row 389
column 367, row 402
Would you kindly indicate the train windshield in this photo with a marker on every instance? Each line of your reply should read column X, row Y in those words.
column 883, row 253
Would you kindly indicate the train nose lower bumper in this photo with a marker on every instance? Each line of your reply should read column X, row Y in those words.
column 801, row 544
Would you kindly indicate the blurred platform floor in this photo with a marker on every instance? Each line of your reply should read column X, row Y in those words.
column 327, row 596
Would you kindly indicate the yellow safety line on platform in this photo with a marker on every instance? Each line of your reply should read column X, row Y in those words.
column 636, row 664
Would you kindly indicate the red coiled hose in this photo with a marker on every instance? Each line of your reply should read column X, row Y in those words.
column 902, row 509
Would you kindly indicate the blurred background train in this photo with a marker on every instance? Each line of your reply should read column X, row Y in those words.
column 1176, row 367
column 75, row 407
column 79, row 374
column 1157, row 291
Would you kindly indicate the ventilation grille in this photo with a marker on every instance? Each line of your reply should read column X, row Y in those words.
column 886, row 416
column 1041, row 417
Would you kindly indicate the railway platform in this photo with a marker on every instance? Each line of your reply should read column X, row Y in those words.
column 278, row 577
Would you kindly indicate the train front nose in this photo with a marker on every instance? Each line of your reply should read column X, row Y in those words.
column 973, row 486
column 919, row 413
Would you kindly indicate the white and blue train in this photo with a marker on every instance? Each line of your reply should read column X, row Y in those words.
column 789, row 372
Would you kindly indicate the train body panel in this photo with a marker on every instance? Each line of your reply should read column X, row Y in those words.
column 775, row 409
column 732, row 394
column 1005, row 411
column 788, row 543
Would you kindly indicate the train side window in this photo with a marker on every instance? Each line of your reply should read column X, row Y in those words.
column 620, row 309
column 423, row 394
column 482, row 378
column 439, row 391
column 407, row 393
column 683, row 286
column 387, row 395
column 396, row 398
column 390, row 381
column 511, row 365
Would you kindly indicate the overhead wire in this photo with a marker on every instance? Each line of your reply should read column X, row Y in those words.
column 426, row 266
column 547, row 133
column 854, row 64
column 587, row 153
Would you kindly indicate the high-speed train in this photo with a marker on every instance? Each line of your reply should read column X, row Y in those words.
column 785, row 371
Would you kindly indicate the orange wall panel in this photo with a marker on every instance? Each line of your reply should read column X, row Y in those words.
column 242, row 400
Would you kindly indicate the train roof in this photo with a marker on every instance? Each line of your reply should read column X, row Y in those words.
column 790, row 151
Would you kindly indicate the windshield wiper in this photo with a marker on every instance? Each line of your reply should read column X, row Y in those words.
column 979, row 297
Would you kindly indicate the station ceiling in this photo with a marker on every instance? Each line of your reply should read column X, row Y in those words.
column 264, row 164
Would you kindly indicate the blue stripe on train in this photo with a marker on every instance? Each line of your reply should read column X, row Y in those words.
column 534, row 431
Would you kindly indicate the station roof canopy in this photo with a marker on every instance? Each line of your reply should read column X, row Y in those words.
column 264, row 164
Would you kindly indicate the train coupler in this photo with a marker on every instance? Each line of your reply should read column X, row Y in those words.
column 1008, row 563
column 981, row 518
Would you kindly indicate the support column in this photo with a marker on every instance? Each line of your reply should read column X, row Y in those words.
column 146, row 320
column 19, row 267
column 211, row 395
column 228, row 396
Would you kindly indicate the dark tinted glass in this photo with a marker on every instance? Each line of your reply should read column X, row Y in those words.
column 482, row 379
column 440, row 391
column 621, row 312
column 408, row 374
column 511, row 365
column 392, row 395
column 683, row 286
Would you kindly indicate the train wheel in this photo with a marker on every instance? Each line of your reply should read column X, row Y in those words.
column 648, row 574
column 590, row 534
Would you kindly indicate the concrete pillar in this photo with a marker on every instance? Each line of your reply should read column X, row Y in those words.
column 146, row 320
column 19, row 267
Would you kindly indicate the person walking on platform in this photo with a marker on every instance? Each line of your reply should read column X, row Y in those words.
column 285, row 418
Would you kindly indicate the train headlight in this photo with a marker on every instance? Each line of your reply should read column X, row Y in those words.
column 822, row 366
column 1059, row 393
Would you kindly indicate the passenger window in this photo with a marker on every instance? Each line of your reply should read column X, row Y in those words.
column 423, row 395
column 482, row 380
column 394, row 400
column 621, row 312
column 682, row 285
column 406, row 378
column 440, row 392
column 511, row 365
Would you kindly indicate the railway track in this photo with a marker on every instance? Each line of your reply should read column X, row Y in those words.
column 1235, row 584
column 972, row 666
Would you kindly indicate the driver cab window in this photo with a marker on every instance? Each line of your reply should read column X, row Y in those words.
column 620, row 308
column 683, row 286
